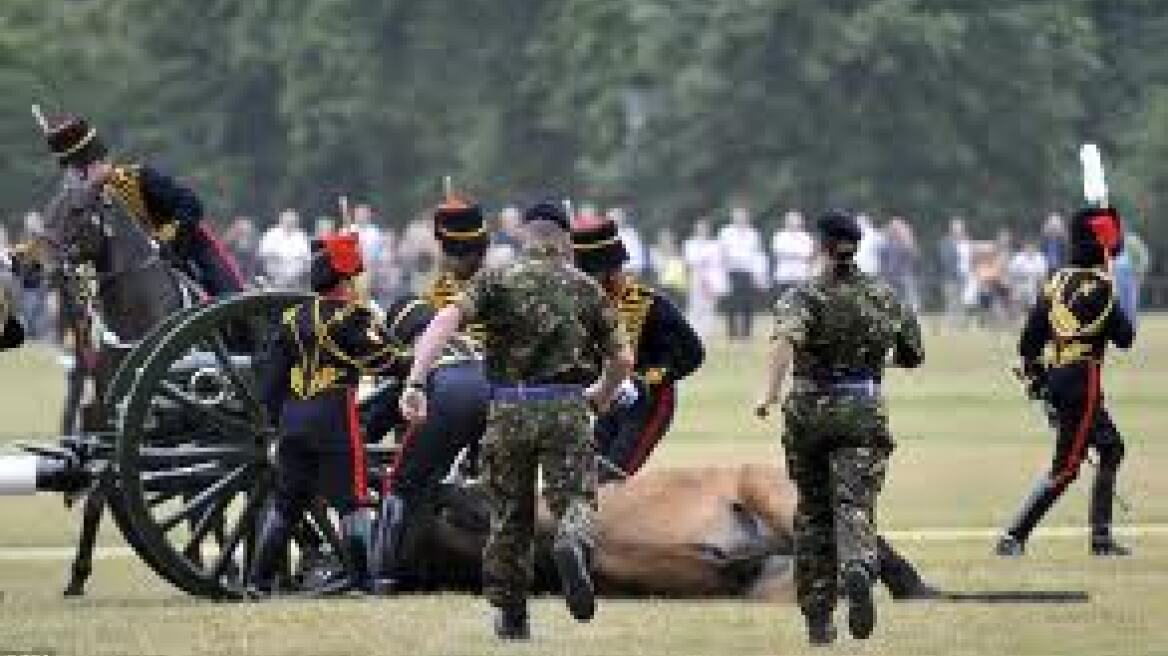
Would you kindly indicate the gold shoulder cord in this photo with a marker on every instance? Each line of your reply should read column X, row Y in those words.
column 125, row 185
column 442, row 292
column 633, row 309
column 326, row 341
column 1065, row 325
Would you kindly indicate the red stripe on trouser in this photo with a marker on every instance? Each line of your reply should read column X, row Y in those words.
column 653, row 430
column 1079, row 444
column 406, row 442
column 357, row 449
column 225, row 257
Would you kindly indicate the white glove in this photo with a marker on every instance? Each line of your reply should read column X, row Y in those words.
column 627, row 394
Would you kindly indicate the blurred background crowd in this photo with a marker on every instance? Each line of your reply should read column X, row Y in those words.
column 724, row 271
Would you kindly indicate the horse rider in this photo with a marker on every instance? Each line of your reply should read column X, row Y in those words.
column 170, row 212
column 321, row 349
column 835, row 333
column 667, row 350
column 549, row 331
column 1076, row 316
column 457, row 385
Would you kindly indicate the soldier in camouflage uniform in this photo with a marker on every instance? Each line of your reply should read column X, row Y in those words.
column 549, row 331
column 835, row 333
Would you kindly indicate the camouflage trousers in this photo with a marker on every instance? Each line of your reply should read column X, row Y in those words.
column 521, row 439
column 838, row 478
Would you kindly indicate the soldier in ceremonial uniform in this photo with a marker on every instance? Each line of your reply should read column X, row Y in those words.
column 549, row 331
column 666, row 346
column 11, row 328
column 170, row 212
column 1076, row 316
column 458, row 386
column 321, row 349
column 835, row 333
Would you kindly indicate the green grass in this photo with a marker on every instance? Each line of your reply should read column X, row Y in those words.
column 969, row 447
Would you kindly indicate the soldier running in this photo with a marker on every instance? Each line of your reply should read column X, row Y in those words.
column 549, row 331
column 321, row 349
column 457, row 385
column 835, row 333
column 667, row 350
column 171, row 212
column 1074, row 319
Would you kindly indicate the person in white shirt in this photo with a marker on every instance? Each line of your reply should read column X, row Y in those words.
column 741, row 246
column 631, row 238
column 1026, row 271
column 707, row 278
column 284, row 252
column 794, row 253
column 370, row 234
column 955, row 255
column 868, row 252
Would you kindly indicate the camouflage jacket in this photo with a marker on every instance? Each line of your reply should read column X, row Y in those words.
column 843, row 323
column 545, row 321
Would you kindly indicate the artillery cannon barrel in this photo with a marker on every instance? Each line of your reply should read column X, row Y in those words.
column 31, row 473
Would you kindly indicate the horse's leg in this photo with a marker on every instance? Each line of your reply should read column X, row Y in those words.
column 899, row 576
column 90, row 521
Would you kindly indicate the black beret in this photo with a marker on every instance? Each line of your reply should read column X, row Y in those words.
column 838, row 225
column 548, row 210
column 460, row 228
column 597, row 247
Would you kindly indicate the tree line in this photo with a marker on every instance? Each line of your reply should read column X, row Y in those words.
column 678, row 108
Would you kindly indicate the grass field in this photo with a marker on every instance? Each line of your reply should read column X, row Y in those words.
column 969, row 448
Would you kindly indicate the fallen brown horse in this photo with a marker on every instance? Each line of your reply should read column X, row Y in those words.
column 695, row 532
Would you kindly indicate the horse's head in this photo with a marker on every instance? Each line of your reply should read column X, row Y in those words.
column 96, row 245
column 73, row 235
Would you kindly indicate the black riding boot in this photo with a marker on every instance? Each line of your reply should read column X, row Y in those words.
column 357, row 530
column 387, row 545
column 1102, row 502
column 270, row 549
column 511, row 622
column 820, row 629
column 1041, row 498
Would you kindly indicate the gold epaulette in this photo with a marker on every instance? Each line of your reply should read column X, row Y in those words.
column 125, row 186
column 442, row 292
column 1063, row 322
column 633, row 308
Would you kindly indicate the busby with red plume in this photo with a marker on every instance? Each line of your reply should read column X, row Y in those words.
column 335, row 257
column 1096, row 235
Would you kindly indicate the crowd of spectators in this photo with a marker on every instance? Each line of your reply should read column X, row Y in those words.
column 710, row 267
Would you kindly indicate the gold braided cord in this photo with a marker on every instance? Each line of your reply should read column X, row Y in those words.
column 599, row 244
column 462, row 234
column 633, row 309
column 76, row 148
column 1062, row 320
column 403, row 313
